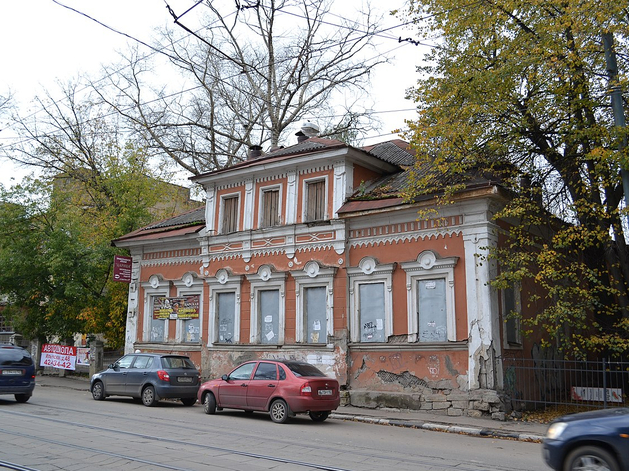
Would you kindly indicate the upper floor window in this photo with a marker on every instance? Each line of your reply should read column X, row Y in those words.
column 270, row 215
column 229, row 217
column 315, row 203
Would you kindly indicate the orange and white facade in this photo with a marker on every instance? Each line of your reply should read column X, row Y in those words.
column 308, row 252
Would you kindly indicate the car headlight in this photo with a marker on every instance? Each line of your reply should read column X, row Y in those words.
column 555, row 430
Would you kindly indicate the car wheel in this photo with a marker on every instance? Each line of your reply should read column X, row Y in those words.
column 22, row 397
column 189, row 401
column 590, row 458
column 209, row 403
column 98, row 391
column 149, row 398
column 319, row 416
column 280, row 412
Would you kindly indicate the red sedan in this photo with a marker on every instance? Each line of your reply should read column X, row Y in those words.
column 282, row 388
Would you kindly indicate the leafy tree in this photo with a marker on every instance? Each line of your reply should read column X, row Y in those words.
column 55, row 240
column 249, row 74
column 519, row 89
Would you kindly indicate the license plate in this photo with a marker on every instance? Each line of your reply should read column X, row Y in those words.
column 325, row 392
column 184, row 379
column 12, row 372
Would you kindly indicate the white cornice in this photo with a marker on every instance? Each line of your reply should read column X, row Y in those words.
column 404, row 237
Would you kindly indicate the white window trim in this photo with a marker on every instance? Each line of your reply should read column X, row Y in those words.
column 304, row 202
column 264, row 189
column 221, row 210
column 429, row 265
column 189, row 285
column 517, row 300
column 369, row 271
column 266, row 279
column 313, row 276
column 223, row 282
column 156, row 286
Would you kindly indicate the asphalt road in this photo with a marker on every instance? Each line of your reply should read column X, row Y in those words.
column 64, row 429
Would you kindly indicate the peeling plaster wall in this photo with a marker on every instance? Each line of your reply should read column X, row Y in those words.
column 219, row 362
column 406, row 371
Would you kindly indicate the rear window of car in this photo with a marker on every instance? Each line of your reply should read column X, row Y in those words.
column 177, row 362
column 303, row 369
column 11, row 356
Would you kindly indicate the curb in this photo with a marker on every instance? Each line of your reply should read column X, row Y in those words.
column 440, row 427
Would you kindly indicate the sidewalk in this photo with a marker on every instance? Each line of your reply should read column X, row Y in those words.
column 482, row 427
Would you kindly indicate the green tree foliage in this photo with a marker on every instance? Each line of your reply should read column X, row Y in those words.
column 519, row 89
column 55, row 245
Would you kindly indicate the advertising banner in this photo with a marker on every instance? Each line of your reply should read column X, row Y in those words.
column 58, row 356
column 122, row 268
column 185, row 307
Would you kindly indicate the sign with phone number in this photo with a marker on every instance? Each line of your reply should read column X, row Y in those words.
column 58, row 356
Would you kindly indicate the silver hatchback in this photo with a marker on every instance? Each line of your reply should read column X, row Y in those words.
column 149, row 377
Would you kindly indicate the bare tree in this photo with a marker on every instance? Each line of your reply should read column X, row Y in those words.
column 249, row 75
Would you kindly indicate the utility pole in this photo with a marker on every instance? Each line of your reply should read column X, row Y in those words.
column 617, row 106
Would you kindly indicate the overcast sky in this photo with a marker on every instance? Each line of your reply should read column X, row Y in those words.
column 43, row 42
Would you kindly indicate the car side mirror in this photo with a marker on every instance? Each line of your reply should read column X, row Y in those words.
column 114, row 366
column 224, row 377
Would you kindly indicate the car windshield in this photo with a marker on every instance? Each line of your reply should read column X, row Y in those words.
column 303, row 369
column 10, row 356
column 177, row 362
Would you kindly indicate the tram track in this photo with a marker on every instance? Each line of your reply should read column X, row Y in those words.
column 155, row 438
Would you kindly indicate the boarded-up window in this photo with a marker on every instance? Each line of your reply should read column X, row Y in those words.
column 315, row 201
column 270, row 208
column 432, row 310
column 269, row 316
column 230, row 215
column 371, row 312
column 315, row 307
column 226, row 308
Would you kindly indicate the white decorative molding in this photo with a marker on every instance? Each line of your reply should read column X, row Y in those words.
column 402, row 237
column 222, row 276
column 312, row 269
column 188, row 279
column 264, row 272
column 154, row 281
column 368, row 265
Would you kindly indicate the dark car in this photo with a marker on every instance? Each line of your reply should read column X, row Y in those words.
column 17, row 372
column 596, row 440
column 149, row 377
column 282, row 388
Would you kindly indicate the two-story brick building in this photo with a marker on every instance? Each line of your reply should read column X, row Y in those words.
column 309, row 252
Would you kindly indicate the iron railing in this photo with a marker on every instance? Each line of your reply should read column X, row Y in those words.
column 532, row 384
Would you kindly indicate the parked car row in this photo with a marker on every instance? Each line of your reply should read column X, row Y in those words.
column 281, row 388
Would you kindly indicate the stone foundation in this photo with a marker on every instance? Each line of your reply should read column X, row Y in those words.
column 452, row 402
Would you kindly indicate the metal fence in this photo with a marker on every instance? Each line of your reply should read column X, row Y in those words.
column 532, row 384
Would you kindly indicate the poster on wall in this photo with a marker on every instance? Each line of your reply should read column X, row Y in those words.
column 58, row 356
column 184, row 307
column 122, row 268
